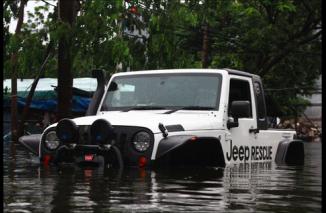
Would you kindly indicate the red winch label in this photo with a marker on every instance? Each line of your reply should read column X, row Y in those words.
column 89, row 157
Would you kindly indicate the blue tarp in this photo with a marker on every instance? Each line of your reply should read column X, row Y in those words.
column 79, row 104
column 45, row 97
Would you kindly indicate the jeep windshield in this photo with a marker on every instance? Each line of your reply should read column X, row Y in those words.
column 177, row 91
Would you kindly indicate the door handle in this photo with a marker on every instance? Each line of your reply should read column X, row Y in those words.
column 254, row 130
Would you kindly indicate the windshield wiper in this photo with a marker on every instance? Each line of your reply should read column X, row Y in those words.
column 189, row 108
column 143, row 108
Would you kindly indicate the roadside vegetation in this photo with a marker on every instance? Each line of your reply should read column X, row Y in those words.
column 278, row 40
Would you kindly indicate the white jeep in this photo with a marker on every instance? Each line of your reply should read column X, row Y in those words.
column 206, row 117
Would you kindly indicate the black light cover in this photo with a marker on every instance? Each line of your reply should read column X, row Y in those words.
column 101, row 132
column 67, row 131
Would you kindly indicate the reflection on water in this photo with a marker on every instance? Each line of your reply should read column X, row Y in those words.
column 240, row 188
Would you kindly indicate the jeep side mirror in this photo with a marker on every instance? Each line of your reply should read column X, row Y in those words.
column 239, row 109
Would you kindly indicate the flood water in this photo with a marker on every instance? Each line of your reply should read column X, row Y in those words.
column 29, row 187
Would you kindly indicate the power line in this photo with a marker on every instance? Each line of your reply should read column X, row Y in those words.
column 313, row 90
column 48, row 3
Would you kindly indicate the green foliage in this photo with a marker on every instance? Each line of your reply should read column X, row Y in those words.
column 277, row 39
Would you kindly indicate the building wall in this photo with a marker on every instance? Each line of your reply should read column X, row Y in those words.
column 313, row 112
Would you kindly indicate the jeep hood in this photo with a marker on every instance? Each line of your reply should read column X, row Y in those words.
column 189, row 120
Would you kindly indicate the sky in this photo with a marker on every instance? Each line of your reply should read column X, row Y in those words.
column 30, row 8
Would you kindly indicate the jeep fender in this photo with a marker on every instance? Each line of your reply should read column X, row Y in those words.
column 170, row 143
column 290, row 152
column 31, row 142
column 191, row 150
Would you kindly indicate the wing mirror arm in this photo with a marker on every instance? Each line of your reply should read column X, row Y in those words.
column 232, row 122
column 239, row 109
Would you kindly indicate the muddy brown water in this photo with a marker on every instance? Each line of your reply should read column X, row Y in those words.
column 29, row 187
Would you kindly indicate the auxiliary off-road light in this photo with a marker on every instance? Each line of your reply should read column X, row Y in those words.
column 141, row 141
column 51, row 141
column 67, row 131
column 101, row 132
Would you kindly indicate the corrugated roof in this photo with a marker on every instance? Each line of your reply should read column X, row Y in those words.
column 45, row 84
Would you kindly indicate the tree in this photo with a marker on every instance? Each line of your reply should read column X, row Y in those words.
column 67, row 17
column 13, row 63
column 280, row 41
column 277, row 39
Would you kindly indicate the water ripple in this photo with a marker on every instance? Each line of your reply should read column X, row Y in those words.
column 29, row 187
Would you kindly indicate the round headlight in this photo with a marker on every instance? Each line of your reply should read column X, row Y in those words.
column 101, row 132
column 67, row 131
column 51, row 140
column 141, row 141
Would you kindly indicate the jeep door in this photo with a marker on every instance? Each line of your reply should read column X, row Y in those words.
column 240, row 139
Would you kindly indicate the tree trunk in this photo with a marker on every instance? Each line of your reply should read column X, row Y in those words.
column 13, row 61
column 31, row 92
column 67, row 14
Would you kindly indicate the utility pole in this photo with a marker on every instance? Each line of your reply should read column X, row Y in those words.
column 67, row 15
column 204, row 58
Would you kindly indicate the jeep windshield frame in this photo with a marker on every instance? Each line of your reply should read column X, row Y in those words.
column 163, row 91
